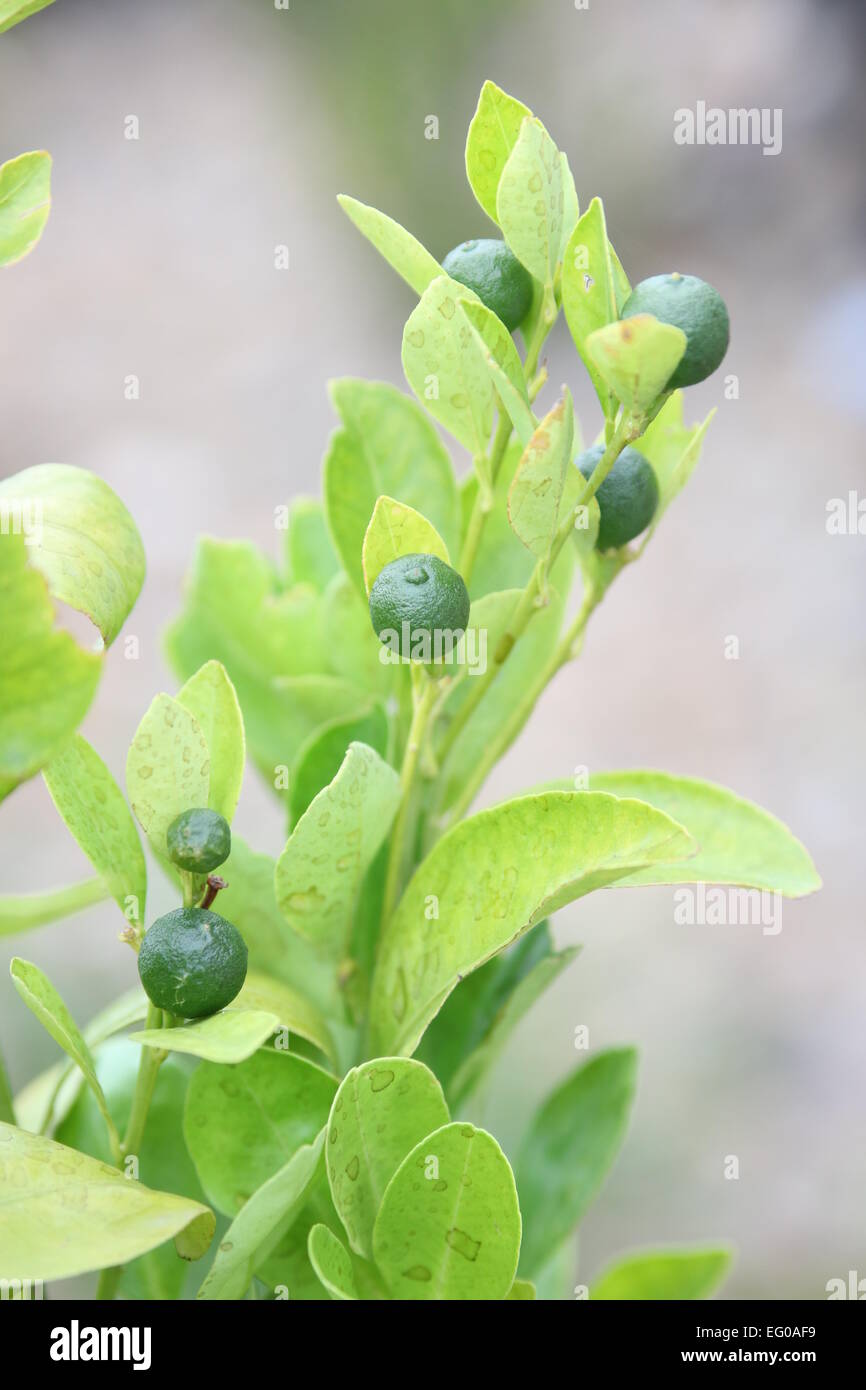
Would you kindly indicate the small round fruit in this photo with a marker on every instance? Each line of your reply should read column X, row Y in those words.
column 627, row 499
column 192, row 962
column 695, row 307
column 199, row 840
column 428, row 595
column 495, row 274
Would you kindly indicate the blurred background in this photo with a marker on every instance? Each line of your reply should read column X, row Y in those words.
column 158, row 261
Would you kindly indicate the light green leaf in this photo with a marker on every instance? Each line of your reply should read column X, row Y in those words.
column 85, row 543
column 25, row 192
column 167, row 768
column 636, row 358
column 322, row 755
column 738, row 842
column 568, row 1149
column 570, row 206
column 444, row 367
column 493, row 133
column 46, row 681
column 13, row 11
column 7, row 1107
column 449, row 1223
column 621, row 285
column 291, row 1009
column 228, row 1037
column 332, row 1263
column 673, row 449
column 530, row 202
column 243, row 1123
column 396, row 530
column 355, row 648
column 381, row 1111
column 262, row 1222
column 210, row 698
column 96, row 814
column 310, row 554
column 386, row 447
column 499, row 354
column 94, row 1219
column 320, row 871
column 400, row 249
column 28, row 910
column 521, row 1291
column 494, row 876
column 535, row 495
column 685, row 1273
column 589, row 296
column 43, row 1000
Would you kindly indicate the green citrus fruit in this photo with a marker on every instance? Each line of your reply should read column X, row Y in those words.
column 428, row 596
column 198, row 840
column 192, row 962
column 695, row 307
column 627, row 499
column 496, row 275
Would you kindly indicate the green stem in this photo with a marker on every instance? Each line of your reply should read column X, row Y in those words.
column 7, row 1107
column 424, row 692
column 481, row 507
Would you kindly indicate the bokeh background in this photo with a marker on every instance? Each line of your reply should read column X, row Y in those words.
column 158, row 260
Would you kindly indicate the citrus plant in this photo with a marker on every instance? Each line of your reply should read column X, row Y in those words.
column 289, row 1096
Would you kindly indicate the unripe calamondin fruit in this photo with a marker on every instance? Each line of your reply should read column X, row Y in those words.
column 488, row 267
column 199, row 840
column 627, row 499
column 192, row 962
column 695, row 307
column 426, row 595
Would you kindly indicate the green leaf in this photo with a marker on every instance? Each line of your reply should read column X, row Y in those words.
column 291, row 1009
column 7, row 1107
column 386, row 446
column 319, row 873
column 85, row 543
column 570, row 206
column 25, row 192
column 96, row 814
column 444, row 367
column 332, row 1263
column 396, row 530
column 493, row 133
column 287, row 1269
column 13, row 11
column 538, row 853
column 28, row 910
column 449, row 1223
column 535, row 495
column 43, row 1000
column 381, row 1111
column 262, row 1222
column 322, row 755
column 570, row 1145
column 673, row 449
column 589, row 296
column 243, row 1123
column 167, row 768
column 686, row 1273
column 355, row 648
column 210, row 698
column 400, row 249
column 226, row 1038
column 94, row 1219
column 636, row 358
column 521, row 1291
column 739, row 842
column 530, row 202
column 499, row 355
column 46, row 681
column 310, row 555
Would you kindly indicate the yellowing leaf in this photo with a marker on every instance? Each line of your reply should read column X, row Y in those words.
column 396, row 530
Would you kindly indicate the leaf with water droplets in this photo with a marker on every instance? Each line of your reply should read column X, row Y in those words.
column 228, row 1037
column 396, row 530
column 493, row 133
column 535, row 495
column 589, row 290
column 167, row 768
column 444, row 367
column 211, row 699
column 530, row 201
column 332, row 1263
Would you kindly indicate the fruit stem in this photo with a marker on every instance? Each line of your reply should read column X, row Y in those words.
column 424, row 692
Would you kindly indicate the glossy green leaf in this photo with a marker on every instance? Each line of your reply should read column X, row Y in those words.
column 492, row 136
column 25, row 192
column 535, row 495
column 210, row 698
column 504, row 368
column 381, row 1111
column 94, row 1219
column 86, row 543
column 521, row 1291
column 400, row 249
column 46, row 681
column 445, row 369
column 636, row 358
column 686, row 1273
column 492, row 877
column 23, row 912
column 673, row 449
column 229, row 1037
column 291, row 1008
column 589, row 296
column 449, row 1223
column 14, row 11
column 571, row 1144
column 319, row 873
column 332, row 1263
column 321, row 757
column 310, row 554
column 262, row 1222
column 396, row 530
column 96, row 814
column 243, row 1123
column 167, row 768
column 530, row 201
column 386, row 446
